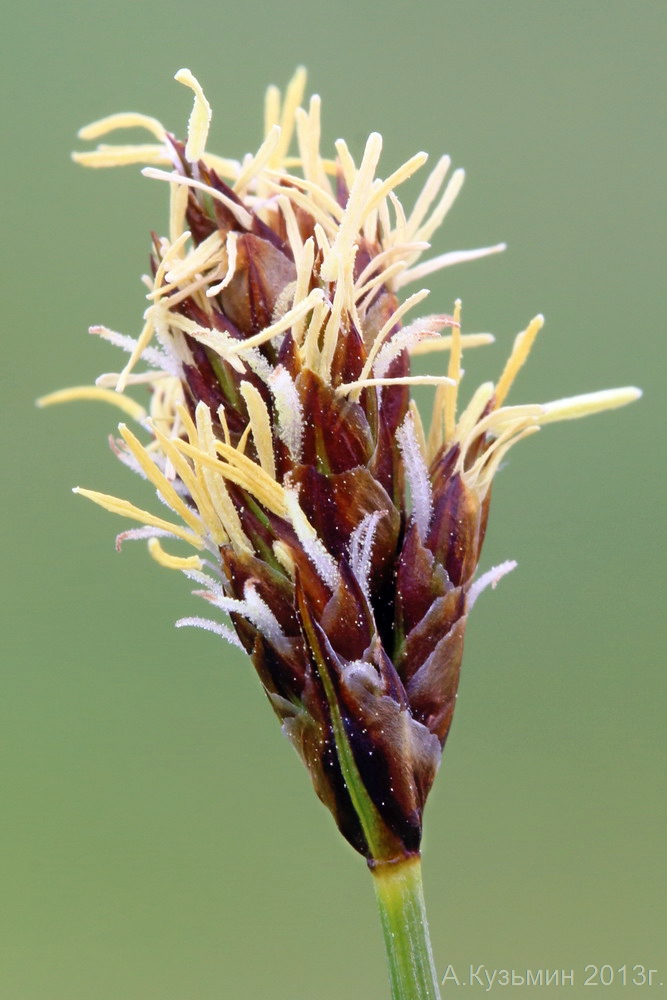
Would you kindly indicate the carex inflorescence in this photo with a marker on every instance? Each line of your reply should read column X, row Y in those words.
column 339, row 535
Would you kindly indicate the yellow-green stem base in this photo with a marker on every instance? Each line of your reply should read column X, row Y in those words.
column 398, row 889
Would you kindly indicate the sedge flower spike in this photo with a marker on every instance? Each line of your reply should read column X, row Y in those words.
column 335, row 537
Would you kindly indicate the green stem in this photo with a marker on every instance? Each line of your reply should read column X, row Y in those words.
column 398, row 889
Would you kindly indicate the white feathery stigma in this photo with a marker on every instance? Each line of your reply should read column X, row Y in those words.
column 417, row 475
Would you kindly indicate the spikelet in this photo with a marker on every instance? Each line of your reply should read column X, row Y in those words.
column 339, row 536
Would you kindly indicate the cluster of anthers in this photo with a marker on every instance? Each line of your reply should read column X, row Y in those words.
column 339, row 534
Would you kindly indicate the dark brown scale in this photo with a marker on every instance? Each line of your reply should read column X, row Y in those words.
column 438, row 621
column 349, row 357
column 288, row 355
column 261, row 274
column 419, row 581
column 347, row 618
column 455, row 533
column 336, row 433
column 281, row 674
column 432, row 689
column 336, row 504
column 272, row 586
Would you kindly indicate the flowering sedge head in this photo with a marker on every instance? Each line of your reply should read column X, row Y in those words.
column 337, row 535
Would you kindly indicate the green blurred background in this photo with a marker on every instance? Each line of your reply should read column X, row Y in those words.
column 160, row 840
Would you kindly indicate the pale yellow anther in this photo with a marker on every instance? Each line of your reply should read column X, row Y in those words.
column 256, row 163
column 399, row 235
column 223, row 512
column 172, row 562
column 349, row 387
column 110, row 380
column 293, row 97
column 242, row 216
column 449, row 196
column 506, row 427
column 395, row 318
column 231, row 250
column 243, row 440
column 241, row 470
column 219, row 341
column 158, row 479
column 284, row 323
column 143, row 341
column 303, row 279
column 435, row 345
column 80, row 392
column 454, row 372
column 339, row 308
column 166, row 405
column 355, row 210
column 302, row 199
column 521, row 349
column 385, row 258
column 474, row 410
column 404, row 172
column 347, row 164
column 200, row 258
column 575, row 407
column 383, row 277
column 252, row 477
column 292, row 226
column 178, row 203
column 121, row 156
column 172, row 252
column 127, row 509
column 121, row 120
column 260, row 422
column 271, row 108
column 428, row 267
column 222, row 417
column 435, row 437
column 322, row 240
column 308, row 135
column 497, row 422
column 427, row 195
column 310, row 349
column 318, row 200
column 200, row 118
column 284, row 556
column 482, row 473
